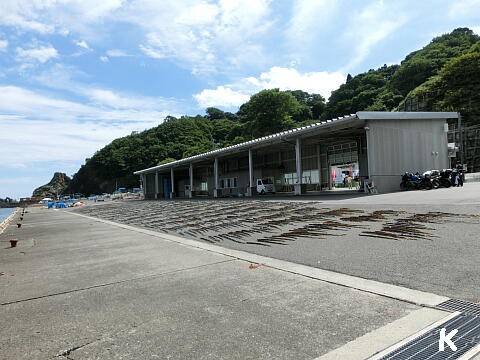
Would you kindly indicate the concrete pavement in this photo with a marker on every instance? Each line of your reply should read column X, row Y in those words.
column 82, row 289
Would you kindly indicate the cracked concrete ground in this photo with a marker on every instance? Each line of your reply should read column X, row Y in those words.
column 79, row 289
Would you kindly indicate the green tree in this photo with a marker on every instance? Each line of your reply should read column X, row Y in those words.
column 214, row 113
column 313, row 105
column 269, row 111
column 422, row 64
column 166, row 161
column 455, row 88
column 363, row 92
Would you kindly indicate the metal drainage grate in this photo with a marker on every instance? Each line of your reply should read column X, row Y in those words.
column 426, row 346
column 460, row 305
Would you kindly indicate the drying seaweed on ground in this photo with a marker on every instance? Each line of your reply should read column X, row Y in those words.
column 272, row 223
column 402, row 229
column 315, row 230
column 387, row 212
column 339, row 212
column 373, row 217
column 430, row 217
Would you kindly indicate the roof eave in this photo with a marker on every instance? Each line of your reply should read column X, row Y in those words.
column 401, row 115
column 260, row 142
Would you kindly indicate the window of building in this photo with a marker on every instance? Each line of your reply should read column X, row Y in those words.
column 228, row 183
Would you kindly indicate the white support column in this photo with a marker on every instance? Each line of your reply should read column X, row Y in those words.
column 216, row 190
column 144, row 185
column 190, row 175
column 156, row 185
column 251, row 182
column 319, row 166
column 172, row 179
column 298, row 163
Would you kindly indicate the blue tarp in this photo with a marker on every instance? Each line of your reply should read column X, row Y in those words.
column 61, row 205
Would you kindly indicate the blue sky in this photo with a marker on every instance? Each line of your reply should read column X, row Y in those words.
column 75, row 74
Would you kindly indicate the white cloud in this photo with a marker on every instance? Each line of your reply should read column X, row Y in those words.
column 62, row 141
column 320, row 82
column 50, row 16
column 104, row 58
column 75, row 130
column 202, row 13
column 116, row 53
column 221, row 97
column 83, row 44
column 376, row 22
column 308, row 19
column 24, row 15
column 151, row 52
column 61, row 77
column 202, row 36
column 93, row 10
column 40, row 53
column 23, row 102
column 233, row 95
column 3, row 45
column 465, row 9
column 475, row 29
column 96, row 103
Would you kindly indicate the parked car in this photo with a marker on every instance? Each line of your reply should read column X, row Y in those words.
column 265, row 186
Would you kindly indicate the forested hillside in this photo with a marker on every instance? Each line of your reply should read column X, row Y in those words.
column 443, row 76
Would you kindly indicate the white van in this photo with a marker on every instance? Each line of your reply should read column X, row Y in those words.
column 266, row 185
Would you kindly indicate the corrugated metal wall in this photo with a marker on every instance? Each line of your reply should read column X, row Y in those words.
column 396, row 146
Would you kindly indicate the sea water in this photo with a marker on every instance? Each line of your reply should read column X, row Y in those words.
column 5, row 212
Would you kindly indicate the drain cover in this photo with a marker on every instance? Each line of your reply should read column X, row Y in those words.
column 460, row 305
column 426, row 346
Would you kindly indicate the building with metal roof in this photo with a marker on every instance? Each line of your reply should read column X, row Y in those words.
column 372, row 148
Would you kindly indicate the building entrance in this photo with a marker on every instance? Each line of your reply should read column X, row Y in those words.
column 343, row 165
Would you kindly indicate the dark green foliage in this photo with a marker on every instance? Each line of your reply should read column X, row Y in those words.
column 461, row 78
column 312, row 105
column 166, row 161
column 385, row 88
column 455, row 88
column 217, row 114
column 270, row 111
column 422, row 64
column 114, row 164
column 365, row 91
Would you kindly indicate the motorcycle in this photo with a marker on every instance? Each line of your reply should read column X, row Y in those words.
column 435, row 178
column 445, row 176
column 440, row 178
column 408, row 183
column 416, row 182
column 426, row 181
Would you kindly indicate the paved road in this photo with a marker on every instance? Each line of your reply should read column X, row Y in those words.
column 443, row 261
column 80, row 289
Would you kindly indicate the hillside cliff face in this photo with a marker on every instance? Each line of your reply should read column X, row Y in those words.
column 442, row 76
column 55, row 187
